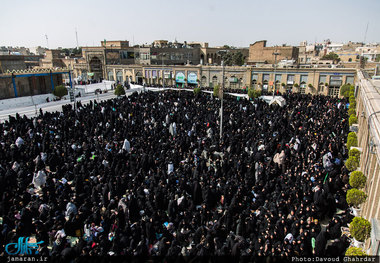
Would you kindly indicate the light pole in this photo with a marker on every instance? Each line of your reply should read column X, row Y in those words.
column 163, row 74
column 275, row 66
column 221, row 103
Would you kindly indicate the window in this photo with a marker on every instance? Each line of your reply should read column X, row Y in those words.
column 110, row 75
column 203, row 81
column 290, row 79
column 349, row 80
column 119, row 76
column 254, row 78
column 278, row 78
column 214, row 81
column 303, row 79
column 265, row 77
column 333, row 91
column 336, row 81
column 320, row 88
column 322, row 79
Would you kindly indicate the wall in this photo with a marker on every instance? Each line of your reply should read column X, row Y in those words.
column 28, row 86
column 258, row 52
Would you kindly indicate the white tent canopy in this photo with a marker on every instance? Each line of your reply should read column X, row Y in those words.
column 279, row 100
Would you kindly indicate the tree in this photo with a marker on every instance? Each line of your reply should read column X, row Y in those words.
column 197, row 91
column 352, row 141
column 357, row 179
column 60, row 91
column 238, row 58
column 355, row 197
column 331, row 56
column 360, row 228
column 352, row 120
column 352, row 135
column 233, row 58
column 351, row 112
column 354, row 152
column 355, row 251
column 352, row 100
column 252, row 93
column 352, row 163
column 119, row 91
column 216, row 90
column 345, row 90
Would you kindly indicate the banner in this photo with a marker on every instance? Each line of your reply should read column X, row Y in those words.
column 192, row 78
column 180, row 77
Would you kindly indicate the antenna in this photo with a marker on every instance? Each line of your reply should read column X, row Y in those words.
column 365, row 35
column 47, row 41
column 76, row 35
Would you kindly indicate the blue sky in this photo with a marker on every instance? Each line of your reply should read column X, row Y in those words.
column 237, row 23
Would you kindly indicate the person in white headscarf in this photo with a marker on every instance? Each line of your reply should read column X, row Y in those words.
column 126, row 146
column 39, row 179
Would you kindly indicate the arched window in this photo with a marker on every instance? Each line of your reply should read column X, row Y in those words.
column 119, row 76
column 203, row 81
column 110, row 75
column 214, row 81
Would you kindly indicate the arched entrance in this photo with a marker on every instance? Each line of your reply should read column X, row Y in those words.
column 96, row 68
column 139, row 78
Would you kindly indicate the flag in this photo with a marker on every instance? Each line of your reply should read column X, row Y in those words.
column 326, row 177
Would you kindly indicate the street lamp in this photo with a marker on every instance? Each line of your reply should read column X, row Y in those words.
column 163, row 74
column 275, row 66
column 221, row 103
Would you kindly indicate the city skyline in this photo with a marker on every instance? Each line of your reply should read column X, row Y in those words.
column 215, row 22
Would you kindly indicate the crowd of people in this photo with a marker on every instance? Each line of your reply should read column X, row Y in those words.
column 148, row 174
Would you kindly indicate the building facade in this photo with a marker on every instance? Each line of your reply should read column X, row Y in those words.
column 368, row 111
column 260, row 53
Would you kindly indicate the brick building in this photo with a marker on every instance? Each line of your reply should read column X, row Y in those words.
column 260, row 53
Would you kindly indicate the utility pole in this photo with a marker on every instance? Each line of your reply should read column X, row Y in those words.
column 221, row 104
column 163, row 74
column 275, row 67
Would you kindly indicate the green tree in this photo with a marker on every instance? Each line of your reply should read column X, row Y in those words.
column 355, row 251
column 360, row 228
column 77, row 51
column 60, row 91
column 119, row 91
column 355, row 153
column 355, row 197
column 331, row 56
column 352, row 99
column 252, row 93
column 197, row 91
column 227, row 58
column 238, row 58
column 352, row 141
column 345, row 90
column 351, row 112
column 216, row 90
column 352, row 163
column 357, row 179
column 352, row 120
column 352, row 135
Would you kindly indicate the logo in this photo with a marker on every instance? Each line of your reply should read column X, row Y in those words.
column 23, row 247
